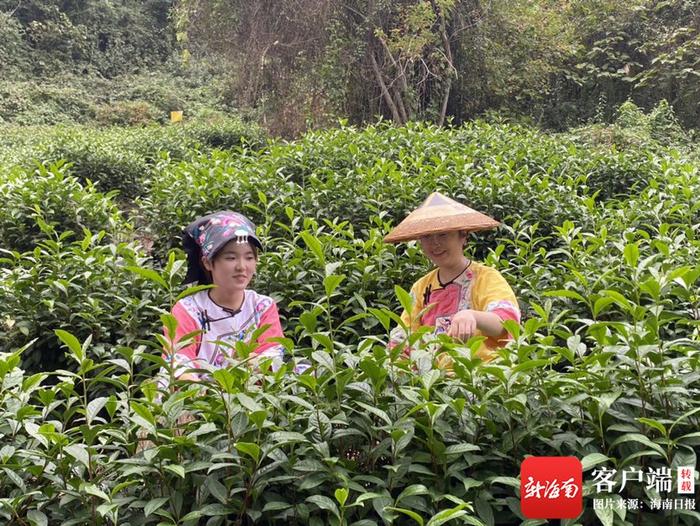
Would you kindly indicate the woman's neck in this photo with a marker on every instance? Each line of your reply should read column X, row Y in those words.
column 228, row 299
column 447, row 273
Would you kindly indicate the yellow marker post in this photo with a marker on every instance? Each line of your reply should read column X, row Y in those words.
column 175, row 116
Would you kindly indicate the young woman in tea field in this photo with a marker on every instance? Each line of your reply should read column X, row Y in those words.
column 222, row 249
column 460, row 297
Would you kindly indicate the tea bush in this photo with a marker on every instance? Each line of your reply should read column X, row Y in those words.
column 364, row 437
column 82, row 283
column 49, row 195
column 505, row 171
column 601, row 247
column 509, row 172
column 122, row 158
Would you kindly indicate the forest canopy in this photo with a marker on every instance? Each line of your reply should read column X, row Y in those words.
column 306, row 63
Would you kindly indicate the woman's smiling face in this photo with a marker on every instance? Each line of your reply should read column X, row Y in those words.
column 233, row 266
column 444, row 249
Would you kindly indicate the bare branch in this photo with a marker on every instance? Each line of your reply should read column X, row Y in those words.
column 385, row 92
column 11, row 13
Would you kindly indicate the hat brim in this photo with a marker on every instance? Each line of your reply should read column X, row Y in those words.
column 439, row 214
column 439, row 225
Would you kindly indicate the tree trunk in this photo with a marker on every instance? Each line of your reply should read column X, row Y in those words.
column 401, row 77
column 445, row 98
column 450, row 63
column 399, row 103
column 385, row 91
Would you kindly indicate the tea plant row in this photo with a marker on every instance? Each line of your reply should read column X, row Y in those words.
column 600, row 245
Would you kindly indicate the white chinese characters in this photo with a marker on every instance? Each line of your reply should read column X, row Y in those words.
column 550, row 489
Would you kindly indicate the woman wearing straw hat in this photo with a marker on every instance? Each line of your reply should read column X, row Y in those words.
column 222, row 250
column 461, row 297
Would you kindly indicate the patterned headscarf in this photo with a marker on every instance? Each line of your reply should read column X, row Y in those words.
column 205, row 236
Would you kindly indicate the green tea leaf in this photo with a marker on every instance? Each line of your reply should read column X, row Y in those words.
column 376, row 411
column 210, row 510
column 150, row 275
column 79, row 452
column 636, row 437
column 405, row 298
column 37, row 518
column 408, row 513
column 143, row 412
column 324, row 503
column 314, row 245
column 330, row 283
column 458, row 449
column 250, row 449
column 631, row 253
column 72, row 343
column 341, row 495
column 412, row 490
column 655, row 424
column 593, row 459
column 324, row 358
column 605, row 515
column 176, row 469
column 446, row 516
column 94, row 407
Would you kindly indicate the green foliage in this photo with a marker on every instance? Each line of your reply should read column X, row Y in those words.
column 122, row 158
column 46, row 200
column 13, row 51
column 83, row 285
column 560, row 64
column 108, row 39
column 29, row 103
column 89, row 99
column 555, row 62
column 640, row 50
column 511, row 172
column 137, row 113
column 600, row 245
column 365, row 435
column 633, row 129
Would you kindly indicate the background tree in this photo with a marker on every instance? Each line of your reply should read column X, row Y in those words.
column 303, row 64
column 105, row 38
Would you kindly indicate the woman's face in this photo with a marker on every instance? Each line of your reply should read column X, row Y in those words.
column 233, row 266
column 444, row 249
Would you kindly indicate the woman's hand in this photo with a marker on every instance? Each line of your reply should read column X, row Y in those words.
column 466, row 322
column 463, row 325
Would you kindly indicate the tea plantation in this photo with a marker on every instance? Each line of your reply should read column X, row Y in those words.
column 599, row 241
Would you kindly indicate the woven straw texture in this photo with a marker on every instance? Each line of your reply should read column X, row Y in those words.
column 438, row 214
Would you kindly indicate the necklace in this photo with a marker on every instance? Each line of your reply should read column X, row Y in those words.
column 443, row 285
column 231, row 312
column 205, row 320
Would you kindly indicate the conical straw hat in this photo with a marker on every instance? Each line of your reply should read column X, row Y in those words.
column 437, row 214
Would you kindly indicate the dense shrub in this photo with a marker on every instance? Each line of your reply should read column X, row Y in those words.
column 122, row 158
column 510, row 172
column 48, row 195
column 603, row 367
column 362, row 436
column 131, row 113
column 94, row 100
column 85, row 285
column 28, row 103
column 632, row 129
